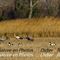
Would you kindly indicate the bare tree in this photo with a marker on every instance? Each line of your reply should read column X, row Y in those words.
column 53, row 7
column 31, row 7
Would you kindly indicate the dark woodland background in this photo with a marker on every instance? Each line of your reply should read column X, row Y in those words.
column 11, row 9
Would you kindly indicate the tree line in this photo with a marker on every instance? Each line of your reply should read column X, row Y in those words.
column 30, row 9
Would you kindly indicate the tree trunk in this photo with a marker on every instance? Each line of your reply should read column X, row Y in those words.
column 31, row 10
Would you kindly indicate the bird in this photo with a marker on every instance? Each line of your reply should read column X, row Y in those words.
column 18, row 37
column 9, row 43
column 29, row 38
column 52, row 44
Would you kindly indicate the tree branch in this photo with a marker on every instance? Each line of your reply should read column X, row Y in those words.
column 35, row 3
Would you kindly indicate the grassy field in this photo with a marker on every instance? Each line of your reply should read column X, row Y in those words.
column 38, row 26
column 43, row 28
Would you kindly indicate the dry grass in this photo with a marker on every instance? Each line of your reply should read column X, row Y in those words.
column 33, row 26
